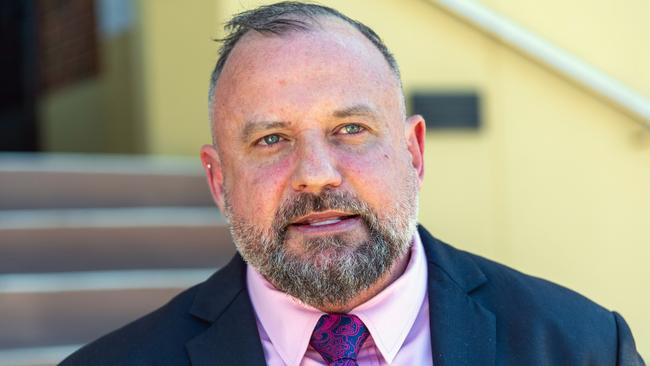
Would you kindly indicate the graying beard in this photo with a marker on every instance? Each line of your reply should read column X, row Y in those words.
column 335, row 280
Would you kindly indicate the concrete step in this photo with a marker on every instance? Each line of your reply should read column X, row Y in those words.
column 75, row 308
column 31, row 181
column 111, row 239
column 35, row 356
column 90, row 243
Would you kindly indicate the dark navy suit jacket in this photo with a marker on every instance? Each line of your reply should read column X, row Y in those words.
column 481, row 313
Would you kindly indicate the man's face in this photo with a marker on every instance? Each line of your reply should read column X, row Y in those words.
column 317, row 168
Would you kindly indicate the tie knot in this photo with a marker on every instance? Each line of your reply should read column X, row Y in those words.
column 338, row 338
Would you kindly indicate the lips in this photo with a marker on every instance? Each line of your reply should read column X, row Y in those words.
column 316, row 219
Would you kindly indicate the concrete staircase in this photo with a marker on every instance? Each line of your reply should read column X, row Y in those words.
column 89, row 243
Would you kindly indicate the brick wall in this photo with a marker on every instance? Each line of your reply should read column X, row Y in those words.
column 67, row 42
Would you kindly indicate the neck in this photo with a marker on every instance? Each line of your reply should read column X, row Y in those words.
column 396, row 270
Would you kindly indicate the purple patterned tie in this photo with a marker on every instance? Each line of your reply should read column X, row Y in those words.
column 338, row 338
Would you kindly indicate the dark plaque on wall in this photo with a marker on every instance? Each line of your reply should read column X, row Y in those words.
column 448, row 110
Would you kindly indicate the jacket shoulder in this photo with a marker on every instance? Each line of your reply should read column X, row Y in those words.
column 160, row 337
column 534, row 314
column 157, row 338
column 546, row 299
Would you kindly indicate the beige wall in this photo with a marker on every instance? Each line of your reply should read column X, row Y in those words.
column 177, row 52
column 555, row 184
column 68, row 118
column 95, row 115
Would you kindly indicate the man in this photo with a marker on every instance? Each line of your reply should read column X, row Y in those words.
column 317, row 169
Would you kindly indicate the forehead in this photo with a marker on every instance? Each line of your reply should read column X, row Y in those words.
column 329, row 65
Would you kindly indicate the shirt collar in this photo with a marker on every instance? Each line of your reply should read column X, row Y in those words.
column 389, row 315
column 274, row 309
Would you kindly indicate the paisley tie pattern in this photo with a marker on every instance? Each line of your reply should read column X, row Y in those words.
column 338, row 338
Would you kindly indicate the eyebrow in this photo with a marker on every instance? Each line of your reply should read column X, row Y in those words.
column 252, row 127
column 355, row 111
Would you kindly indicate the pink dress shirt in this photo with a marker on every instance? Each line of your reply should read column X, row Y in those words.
column 397, row 318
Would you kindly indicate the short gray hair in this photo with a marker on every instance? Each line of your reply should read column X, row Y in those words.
column 281, row 18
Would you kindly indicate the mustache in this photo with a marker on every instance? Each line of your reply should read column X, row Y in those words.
column 306, row 203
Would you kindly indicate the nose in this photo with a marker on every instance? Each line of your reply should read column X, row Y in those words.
column 316, row 169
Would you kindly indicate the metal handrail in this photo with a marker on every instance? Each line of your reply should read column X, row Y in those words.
column 546, row 53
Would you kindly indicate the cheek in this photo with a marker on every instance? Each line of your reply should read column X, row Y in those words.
column 258, row 191
column 373, row 174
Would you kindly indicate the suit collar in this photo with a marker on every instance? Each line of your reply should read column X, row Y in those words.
column 459, row 268
column 463, row 332
column 214, row 295
column 232, row 337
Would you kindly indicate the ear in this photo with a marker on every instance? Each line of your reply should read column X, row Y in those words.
column 415, row 135
column 214, row 174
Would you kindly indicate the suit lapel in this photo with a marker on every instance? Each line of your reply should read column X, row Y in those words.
column 462, row 331
column 232, row 338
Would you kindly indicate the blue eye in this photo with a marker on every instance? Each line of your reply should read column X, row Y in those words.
column 352, row 129
column 270, row 140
